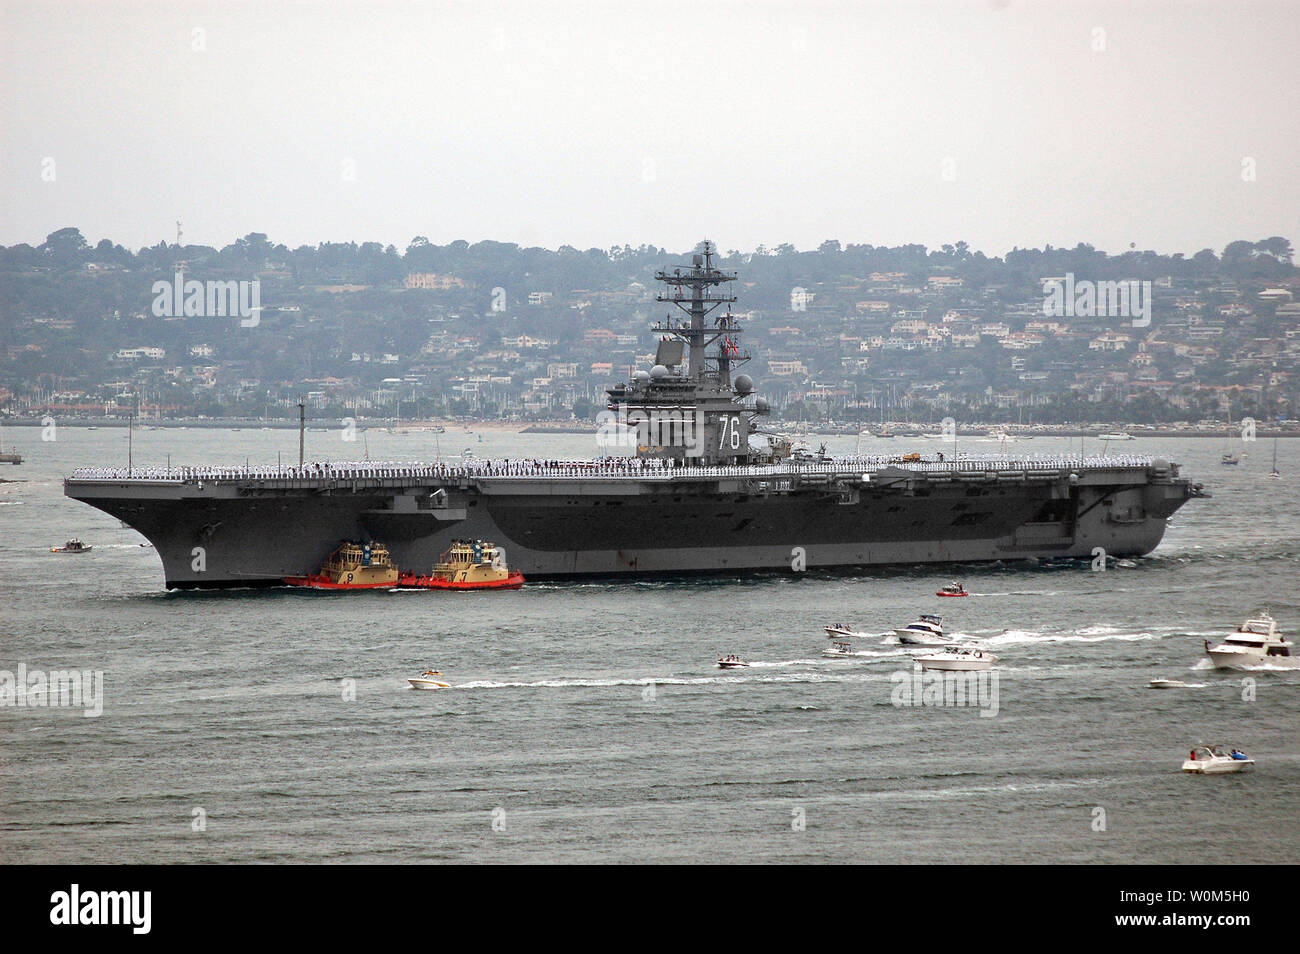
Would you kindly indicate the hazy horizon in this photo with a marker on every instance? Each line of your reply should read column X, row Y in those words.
column 999, row 124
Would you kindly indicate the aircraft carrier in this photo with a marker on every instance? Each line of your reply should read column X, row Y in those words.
column 692, row 488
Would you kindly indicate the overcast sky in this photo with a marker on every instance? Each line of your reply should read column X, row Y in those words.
column 593, row 124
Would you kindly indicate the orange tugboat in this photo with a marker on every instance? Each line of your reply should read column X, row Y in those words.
column 468, row 565
column 353, row 566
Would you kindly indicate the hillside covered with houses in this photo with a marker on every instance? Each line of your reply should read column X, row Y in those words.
column 844, row 333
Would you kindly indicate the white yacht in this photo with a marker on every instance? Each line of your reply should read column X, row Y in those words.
column 1117, row 436
column 926, row 631
column 1256, row 642
column 1216, row 760
column 958, row 659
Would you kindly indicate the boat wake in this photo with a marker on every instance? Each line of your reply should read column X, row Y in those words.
column 1014, row 636
column 1206, row 665
column 731, row 678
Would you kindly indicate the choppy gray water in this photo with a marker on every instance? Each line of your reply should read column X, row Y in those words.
column 588, row 721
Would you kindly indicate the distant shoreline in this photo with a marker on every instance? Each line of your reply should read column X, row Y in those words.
column 452, row 429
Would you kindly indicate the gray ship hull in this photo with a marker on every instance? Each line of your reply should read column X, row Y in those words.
column 252, row 532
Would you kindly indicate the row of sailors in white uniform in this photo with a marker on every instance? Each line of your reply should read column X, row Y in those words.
column 534, row 468
column 373, row 469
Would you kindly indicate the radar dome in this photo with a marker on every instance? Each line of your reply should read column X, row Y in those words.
column 640, row 377
column 744, row 384
column 658, row 372
column 762, row 406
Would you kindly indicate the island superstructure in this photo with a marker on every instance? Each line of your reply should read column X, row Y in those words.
column 701, row 492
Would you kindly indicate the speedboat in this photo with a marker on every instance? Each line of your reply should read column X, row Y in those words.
column 1256, row 642
column 843, row 631
column 72, row 546
column 428, row 680
column 1229, row 460
column 1216, row 760
column 732, row 662
column 1171, row 684
column 958, row 659
column 1118, row 436
column 953, row 589
column 837, row 650
column 926, row 631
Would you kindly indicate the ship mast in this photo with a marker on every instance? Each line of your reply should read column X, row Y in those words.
column 693, row 291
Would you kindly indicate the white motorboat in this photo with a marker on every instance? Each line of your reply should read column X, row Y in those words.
column 1216, row 760
column 428, row 680
column 838, row 650
column 958, row 659
column 926, row 631
column 1118, row 436
column 1172, row 684
column 732, row 662
column 843, row 631
column 1256, row 642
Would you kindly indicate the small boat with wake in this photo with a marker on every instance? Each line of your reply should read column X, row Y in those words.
column 953, row 589
column 926, row 631
column 1216, row 760
column 1160, row 683
column 732, row 662
column 958, row 659
column 466, row 565
column 72, row 546
column 838, row 651
column 428, row 680
column 843, row 631
column 353, row 566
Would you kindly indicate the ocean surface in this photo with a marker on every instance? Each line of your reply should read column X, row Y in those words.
column 588, row 721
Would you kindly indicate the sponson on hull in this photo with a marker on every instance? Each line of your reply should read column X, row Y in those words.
column 689, row 484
